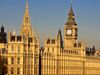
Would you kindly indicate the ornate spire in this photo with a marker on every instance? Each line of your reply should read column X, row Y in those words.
column 26, row 11
column 59, row 34
column 71, row 18
column 59, row 37
column 71, row 9
column 26, row 15
column 2, row 28
column 26, row 27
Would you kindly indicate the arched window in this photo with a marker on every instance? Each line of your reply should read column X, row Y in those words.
column 18, row 60
column 18, row 70
column 12, row 60
column 12, row 70
column 75, row 44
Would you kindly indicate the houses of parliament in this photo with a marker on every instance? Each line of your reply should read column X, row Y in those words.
column 59, row 56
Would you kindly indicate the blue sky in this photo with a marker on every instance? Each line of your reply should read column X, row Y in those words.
column 47, row 16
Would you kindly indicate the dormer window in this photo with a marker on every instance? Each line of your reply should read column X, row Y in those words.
column 12, row 38
column 48, row 41
column 18, row 38
column 53, row 41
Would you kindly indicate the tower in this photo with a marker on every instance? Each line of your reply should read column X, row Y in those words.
column 70, row 30
column 26, row 29
column 59, row 39
column 3, row 36
column 31, row 44
column 22, row 48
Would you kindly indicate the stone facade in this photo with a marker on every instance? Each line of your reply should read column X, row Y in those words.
column 22, row 48
column 59, row 56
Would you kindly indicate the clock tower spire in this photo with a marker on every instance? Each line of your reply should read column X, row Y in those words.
column 70, row 30
column 26, row 29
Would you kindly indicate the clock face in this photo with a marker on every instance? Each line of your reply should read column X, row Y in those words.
column 69, row 32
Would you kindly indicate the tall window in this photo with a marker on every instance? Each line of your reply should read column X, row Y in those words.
column 12, row 60
column 48, row 49
column 75, row 32
column 12, row 48
column 12, row 70
column 18, row 70
column 75, row 44
column 18, row 60
column 18, row 49
column 52, row 48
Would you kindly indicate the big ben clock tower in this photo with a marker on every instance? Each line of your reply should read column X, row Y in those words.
column 70, row 31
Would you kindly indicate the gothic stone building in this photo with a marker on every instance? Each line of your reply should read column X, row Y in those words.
column 59, row 56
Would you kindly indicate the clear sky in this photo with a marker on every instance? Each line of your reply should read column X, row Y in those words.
column 47, row 16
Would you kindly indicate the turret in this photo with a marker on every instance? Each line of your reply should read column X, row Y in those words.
column 3, row 35
column 59, row 39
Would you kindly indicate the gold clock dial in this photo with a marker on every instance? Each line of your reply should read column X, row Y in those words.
column 69, row 32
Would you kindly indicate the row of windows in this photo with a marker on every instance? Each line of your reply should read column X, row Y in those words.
column 50, row 49
column 77, row 44
column 18, row 48
column 71, row 52
column 19, row 38
column 13, row 60
column 12, row 70
column 51, row 41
